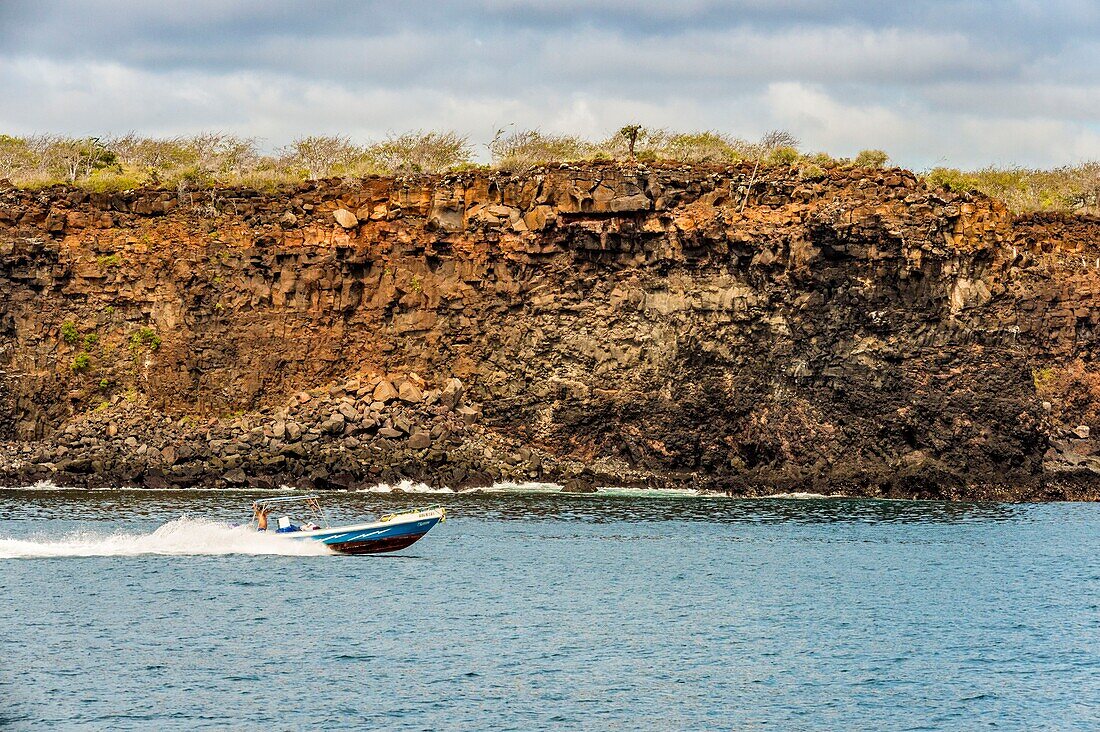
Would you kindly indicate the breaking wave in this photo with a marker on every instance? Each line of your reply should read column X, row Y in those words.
column 405, row 486
column 180, row 537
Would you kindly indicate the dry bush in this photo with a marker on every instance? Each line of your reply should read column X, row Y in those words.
column 705, row 147
column 217, row 158
column 17, row 158
column 322, row 156
column 420, row 152
column 871, row 159
column 1070, row 188
column 525, row 148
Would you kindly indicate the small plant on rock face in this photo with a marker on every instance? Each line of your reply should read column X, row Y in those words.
column 145, row 336
column 104, row 384
column 90, row 340
column 416, row 286
column 81, row 363
column 1043, row 378
column 110, row 260
column 69, row 333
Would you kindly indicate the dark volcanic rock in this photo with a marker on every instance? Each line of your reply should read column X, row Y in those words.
column 655, row 325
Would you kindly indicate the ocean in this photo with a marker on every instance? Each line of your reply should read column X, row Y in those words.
column 529, row 609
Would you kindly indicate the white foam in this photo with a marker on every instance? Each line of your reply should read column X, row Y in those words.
column 517, row 488
column 183, row 536
column 647, row 492
column 405, row 486
column 802, row 496
column 42, row 485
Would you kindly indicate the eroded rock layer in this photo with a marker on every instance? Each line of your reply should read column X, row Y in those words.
column 595, row 324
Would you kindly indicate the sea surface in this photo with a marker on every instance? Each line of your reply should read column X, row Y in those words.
column 531, row 610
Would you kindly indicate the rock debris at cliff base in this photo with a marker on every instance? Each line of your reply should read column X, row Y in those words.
column 588, row 324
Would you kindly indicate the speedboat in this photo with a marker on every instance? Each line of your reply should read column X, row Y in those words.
column 388, row 534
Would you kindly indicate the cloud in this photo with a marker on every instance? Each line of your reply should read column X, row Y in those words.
column 932, row 80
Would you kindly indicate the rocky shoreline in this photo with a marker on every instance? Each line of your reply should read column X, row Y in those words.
column 602, row 324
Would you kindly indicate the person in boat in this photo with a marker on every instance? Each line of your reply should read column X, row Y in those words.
column 260, row 514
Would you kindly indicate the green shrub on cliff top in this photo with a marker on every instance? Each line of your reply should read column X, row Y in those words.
column 1067, row 188
column 871, row 159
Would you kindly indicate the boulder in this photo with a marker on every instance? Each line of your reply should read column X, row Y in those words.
column 579, row 485
column 384, row 392
column 419, row 440
column 345, row 218
column 410, row 392
column 334, row 425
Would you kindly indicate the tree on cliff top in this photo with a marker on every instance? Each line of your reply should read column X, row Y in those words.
column 73, row 158
column 630, row 134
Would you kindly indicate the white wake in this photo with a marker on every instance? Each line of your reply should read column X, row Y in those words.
column 181, row 537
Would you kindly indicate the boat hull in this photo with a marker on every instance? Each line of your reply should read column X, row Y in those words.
column 389, row 535
column 376, row 546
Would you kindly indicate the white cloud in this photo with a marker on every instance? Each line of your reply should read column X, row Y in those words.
column 1011, row 86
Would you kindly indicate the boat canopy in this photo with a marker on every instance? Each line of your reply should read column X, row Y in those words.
column 311, row 498
column 309, row 501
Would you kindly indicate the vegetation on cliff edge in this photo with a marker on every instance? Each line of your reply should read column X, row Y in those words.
column 214, row 158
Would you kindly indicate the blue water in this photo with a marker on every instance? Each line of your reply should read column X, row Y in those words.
column 528, row 611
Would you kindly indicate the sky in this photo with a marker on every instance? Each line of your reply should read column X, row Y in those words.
column 963, row 83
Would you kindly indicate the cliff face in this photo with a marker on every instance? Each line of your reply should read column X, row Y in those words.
column 599, row 323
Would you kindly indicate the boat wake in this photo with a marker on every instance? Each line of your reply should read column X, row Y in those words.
column 181, row 537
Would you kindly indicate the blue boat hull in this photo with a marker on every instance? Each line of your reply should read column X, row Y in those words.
column 373, row 538
column 376, row 541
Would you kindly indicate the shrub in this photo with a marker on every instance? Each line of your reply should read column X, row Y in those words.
column 811, row 171
column 320, row 156
column 871, row 159
column 420, row 152
column 17, row 158
column 785, row 155
column 81, row 363
column 526, row 148
column 145, row 337
column 69, row 333
column 703, row 147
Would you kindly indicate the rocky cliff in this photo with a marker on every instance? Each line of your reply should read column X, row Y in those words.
column 602, row 323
